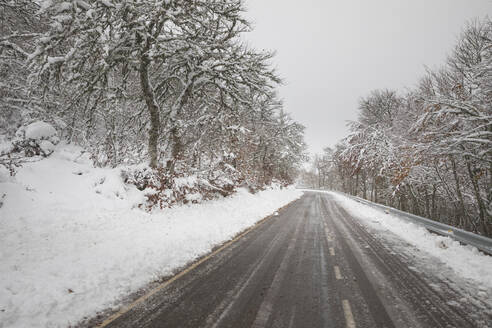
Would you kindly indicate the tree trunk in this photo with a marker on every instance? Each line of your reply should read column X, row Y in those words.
column 433, row 206
column 461, row 214
column 152, row 106
column 176, row 144
column 427, row 204
column 415, row 203
column 450, row 196
column 356, row 190
column 372, row 191
column 364, row 187
column 481, row 205
column 376, row 190
column 176, row 149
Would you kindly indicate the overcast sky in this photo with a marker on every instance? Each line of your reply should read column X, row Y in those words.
column 332, row 52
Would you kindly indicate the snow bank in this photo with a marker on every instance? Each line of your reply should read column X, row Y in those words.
column 466, row 261
column 72, row 241
column 39, row 131
column 37, row 138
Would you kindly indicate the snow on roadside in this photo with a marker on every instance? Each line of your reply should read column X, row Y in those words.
column 72, row 243
column 466, row 261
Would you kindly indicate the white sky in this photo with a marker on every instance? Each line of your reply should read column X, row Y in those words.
column 332, row 52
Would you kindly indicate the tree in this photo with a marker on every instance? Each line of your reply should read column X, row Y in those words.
column 97, row 47
column 430, row 151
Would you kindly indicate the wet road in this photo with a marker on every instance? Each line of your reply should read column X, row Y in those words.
column 312, row 266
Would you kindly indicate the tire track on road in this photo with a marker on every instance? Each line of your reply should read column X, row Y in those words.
column 431, row 308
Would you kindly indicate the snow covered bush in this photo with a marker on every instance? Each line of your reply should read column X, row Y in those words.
column 7, row 163
column 36, row 139
column 164, row 190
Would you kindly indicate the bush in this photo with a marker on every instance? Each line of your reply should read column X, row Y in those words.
column 163, row 190
column 35, row 139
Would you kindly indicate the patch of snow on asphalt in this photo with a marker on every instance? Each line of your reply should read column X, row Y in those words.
column 466, row 261
column 72, row 242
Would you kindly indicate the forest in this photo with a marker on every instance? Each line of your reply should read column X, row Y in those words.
column 167, row 88
column 428, row 150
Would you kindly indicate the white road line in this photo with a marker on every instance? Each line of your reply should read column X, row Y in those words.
column 338, row 275
column 332, row 251
column 349, row 318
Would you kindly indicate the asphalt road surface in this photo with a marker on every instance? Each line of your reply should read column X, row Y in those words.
column 313, row 265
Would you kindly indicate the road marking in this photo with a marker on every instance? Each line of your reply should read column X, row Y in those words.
column 338, row 275
column 332, row 251
column 184, row 272
column 349, row 318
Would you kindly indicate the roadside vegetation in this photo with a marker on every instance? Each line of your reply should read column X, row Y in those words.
column 429, row 150
column 166, row 86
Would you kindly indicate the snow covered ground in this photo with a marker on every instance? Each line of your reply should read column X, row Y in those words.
column 465, row 261
column 72, row 241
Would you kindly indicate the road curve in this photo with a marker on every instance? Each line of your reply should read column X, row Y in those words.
column 311, row 266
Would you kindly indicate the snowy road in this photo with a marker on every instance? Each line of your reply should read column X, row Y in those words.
column 313, row 265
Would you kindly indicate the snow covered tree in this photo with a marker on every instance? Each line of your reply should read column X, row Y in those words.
column 19, row 26
column 430, row 151
column 458, row 120
column 175, row 75
column 97, row 48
